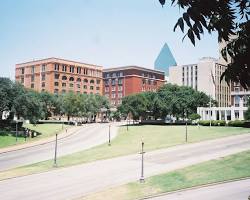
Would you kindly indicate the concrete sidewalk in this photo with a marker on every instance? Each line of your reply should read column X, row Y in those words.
column 62, row 134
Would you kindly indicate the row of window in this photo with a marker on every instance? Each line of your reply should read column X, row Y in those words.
column 114, row 95
column 149, row 82
column 79, row 70
column 113, row 88
column 114, row 81
column 77, row 85
column 114, row 74
column 56, row 91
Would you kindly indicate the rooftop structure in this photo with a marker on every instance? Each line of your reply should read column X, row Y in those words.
column 164, row 60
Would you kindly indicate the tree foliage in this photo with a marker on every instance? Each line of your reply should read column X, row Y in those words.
column 177, row 101
column 32, row 106
column 230, row 19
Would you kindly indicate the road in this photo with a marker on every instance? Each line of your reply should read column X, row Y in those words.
column 238, row 190
column 88, row 136
column 80, row 180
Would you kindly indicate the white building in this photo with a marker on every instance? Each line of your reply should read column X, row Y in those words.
column 203, row 76
column 222, row 113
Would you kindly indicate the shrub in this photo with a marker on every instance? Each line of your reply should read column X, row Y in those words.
column 236, row 123
column 213, row 122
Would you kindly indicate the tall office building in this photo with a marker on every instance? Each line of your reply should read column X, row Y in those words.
column 164, row 60
column 239, row 95
column 60, row 76
column 203, row 76
column 124, row 81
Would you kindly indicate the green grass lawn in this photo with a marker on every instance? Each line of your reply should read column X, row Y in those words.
column 227, row 168
column 47, row 130
column 129, row 142
column 8, row 140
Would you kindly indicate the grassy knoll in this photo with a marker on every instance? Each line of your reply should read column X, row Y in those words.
column 47, row 130
column 128, row 142
column 227, row 168
column 8, row 140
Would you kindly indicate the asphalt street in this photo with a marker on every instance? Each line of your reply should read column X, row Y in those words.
column 238, row 190
column 80, row 180
column 88, row 136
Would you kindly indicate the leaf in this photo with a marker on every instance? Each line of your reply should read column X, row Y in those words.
column 191, row 36
column 162, row 2
column 179, row 23
column 187, row 19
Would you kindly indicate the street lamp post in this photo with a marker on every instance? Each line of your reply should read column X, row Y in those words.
column 109, row 135
column 55, row 158
column 16, row 131
column 186, row 132
column 142, row 162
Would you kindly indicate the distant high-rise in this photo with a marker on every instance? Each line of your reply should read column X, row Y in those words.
column 164, row 60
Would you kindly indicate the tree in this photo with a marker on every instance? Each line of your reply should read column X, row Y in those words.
column 228, row 18
column 6, row 95
column 194, row 116
column 247, row 113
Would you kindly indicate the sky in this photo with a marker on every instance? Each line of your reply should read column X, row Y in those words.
column 109, row 33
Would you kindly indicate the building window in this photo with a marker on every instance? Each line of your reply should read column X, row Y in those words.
column 119, row 88
column 64, row 84
column 106, row 82
column 113, row 95
column 78, row 86
column 113, row 82
column 56, row 91
column 22, row 70
column 71, row 85
column 91, row 87
column 78, row 80
column 86, row 80
column 22, row 80
column 63, row 91
column 43, row 68
column 43, row 84
column 113, row 88
column 97, row 88
column 56, row 76
column 32, row 85
column 106, row 89
column 43, row 77
column 121, row 73
column 71, row 69
column 78, row 70
column 120, row 95
column 32, row 69
column 98, row 81
column 56, row 83
column 85, row 87
column 92, row 81
column 64, row 68
column 56, row 67
column 32, row 78
column 143, row 81
column 107, row 75
column 120, row 81
column 114, row 75
column 71, row 79
column 64, row 78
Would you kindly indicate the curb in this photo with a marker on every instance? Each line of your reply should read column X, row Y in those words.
column 194, row 187
column 49, row 140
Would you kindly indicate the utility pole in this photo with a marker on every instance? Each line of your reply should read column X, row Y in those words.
column 142, row 163
column 109, row 135
column 55, row 158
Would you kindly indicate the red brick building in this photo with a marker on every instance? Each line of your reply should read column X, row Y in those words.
column 60, row 76
column 123, row 81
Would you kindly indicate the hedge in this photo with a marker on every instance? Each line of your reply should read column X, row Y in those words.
column 213, row 122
